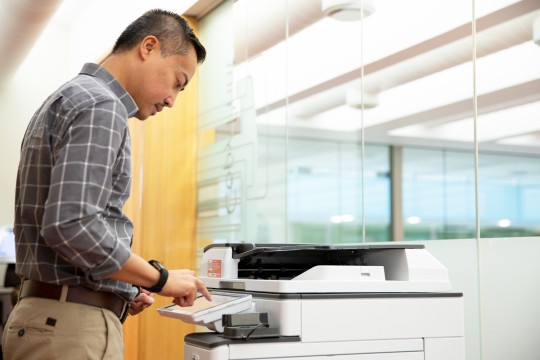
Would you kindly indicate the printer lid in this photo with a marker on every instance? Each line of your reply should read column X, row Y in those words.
column 287, row 261
column 302, row 268
column 249, row 250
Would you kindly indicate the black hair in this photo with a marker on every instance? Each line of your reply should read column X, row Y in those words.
column 172, row 30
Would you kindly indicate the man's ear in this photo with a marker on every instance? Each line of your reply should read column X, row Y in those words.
column 148, row 45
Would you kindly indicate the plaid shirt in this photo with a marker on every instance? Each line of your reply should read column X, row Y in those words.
column 73, row 180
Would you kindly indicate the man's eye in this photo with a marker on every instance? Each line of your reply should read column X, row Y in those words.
column 180, row 87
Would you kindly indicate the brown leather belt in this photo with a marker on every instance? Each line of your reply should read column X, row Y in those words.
column 77, row 294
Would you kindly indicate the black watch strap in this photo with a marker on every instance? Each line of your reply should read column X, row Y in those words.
column 163, row 276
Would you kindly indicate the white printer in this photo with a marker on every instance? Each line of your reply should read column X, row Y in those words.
column 314, row 302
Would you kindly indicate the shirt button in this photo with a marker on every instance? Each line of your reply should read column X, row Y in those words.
column 21, row 332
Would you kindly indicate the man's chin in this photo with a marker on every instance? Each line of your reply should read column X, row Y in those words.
column 141, row 116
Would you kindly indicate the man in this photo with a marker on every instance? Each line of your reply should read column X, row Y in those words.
column 73, row 240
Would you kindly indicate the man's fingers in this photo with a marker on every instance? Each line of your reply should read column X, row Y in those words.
column 203, row 290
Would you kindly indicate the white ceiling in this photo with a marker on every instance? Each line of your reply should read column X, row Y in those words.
column 417, row 70
column 416, row 57
column 81, row 30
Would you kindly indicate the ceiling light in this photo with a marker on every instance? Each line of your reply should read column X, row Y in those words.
column 355, row 99
column 504, row 223
column 335, row 219
column 338, row 219
column 347, row 10
column 414, row 220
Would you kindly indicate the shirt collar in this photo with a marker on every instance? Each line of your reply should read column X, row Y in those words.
column 111, row 82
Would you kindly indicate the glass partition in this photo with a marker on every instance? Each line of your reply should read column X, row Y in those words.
column 438, row 194
column 218, row 213
column 297, row 100
column 417, row 121
column 325, row 197
column 508, row 98
column 242, row 173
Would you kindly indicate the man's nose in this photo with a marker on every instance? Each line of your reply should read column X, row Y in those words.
column 170, row 101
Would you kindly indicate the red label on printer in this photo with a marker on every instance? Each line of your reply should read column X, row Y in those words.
column 214, row 268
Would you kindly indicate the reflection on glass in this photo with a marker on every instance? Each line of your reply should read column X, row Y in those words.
column 324, row 194
column 293, row 133
column 438, row 195
column 292, row 157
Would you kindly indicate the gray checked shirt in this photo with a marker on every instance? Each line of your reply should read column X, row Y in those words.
column 73, row 180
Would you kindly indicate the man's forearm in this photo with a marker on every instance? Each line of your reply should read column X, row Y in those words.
column 137, row 271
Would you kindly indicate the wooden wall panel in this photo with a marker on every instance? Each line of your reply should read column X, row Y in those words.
column 169, row 207
column 165, row 221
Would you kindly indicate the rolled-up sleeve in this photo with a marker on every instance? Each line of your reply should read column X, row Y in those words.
column 75, row 222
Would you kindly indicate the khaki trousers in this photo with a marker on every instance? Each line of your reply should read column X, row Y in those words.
column 42, row 329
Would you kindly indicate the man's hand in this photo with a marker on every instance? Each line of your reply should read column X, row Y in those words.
column 141, row 302
column 183, row 287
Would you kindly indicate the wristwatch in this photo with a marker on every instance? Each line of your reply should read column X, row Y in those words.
column 163, row 276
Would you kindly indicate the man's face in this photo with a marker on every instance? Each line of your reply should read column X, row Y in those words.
column 160, row 80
